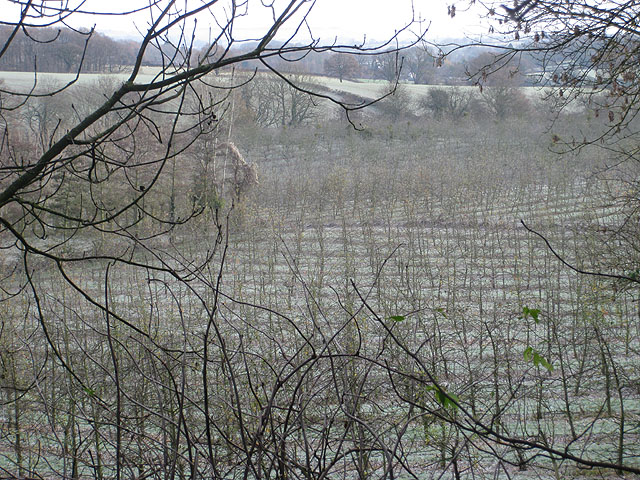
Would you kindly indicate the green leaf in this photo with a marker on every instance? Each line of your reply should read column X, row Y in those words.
column 531, row 312
column 538, row 360
column 447, row 400
column 89, row 391
column 397, row 318
column 453, row 400
column 543, row 361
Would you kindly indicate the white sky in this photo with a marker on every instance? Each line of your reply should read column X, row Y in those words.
column 349, row 20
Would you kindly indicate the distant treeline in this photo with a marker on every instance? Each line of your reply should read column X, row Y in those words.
column 69, row 51
column 63, row 50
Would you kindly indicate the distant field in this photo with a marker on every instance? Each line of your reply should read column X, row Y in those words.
column 374, row 88
column 26, row 80
column 368, row 89
column 13, row 80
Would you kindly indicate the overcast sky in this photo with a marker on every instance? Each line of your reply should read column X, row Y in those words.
column 345, row 19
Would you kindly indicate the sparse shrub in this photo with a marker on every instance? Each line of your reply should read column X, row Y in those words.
column 224, row 177
column 396, row 106
column 448, row 102
column 504, row 101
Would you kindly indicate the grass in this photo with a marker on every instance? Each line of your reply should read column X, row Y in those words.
column 368, row 89
column 25, row 81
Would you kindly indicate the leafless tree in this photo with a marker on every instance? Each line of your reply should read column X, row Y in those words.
column 387, row 66
column 420, row 64
column 281, row 102
column 342, row 66
column 451, row 102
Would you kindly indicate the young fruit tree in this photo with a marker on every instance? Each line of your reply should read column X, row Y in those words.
column 586, row 57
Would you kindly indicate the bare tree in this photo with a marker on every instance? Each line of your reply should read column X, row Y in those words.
column 281, row 102
column 342, row 66
column 420, row 64
column 387, row 66
column 397, row 103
